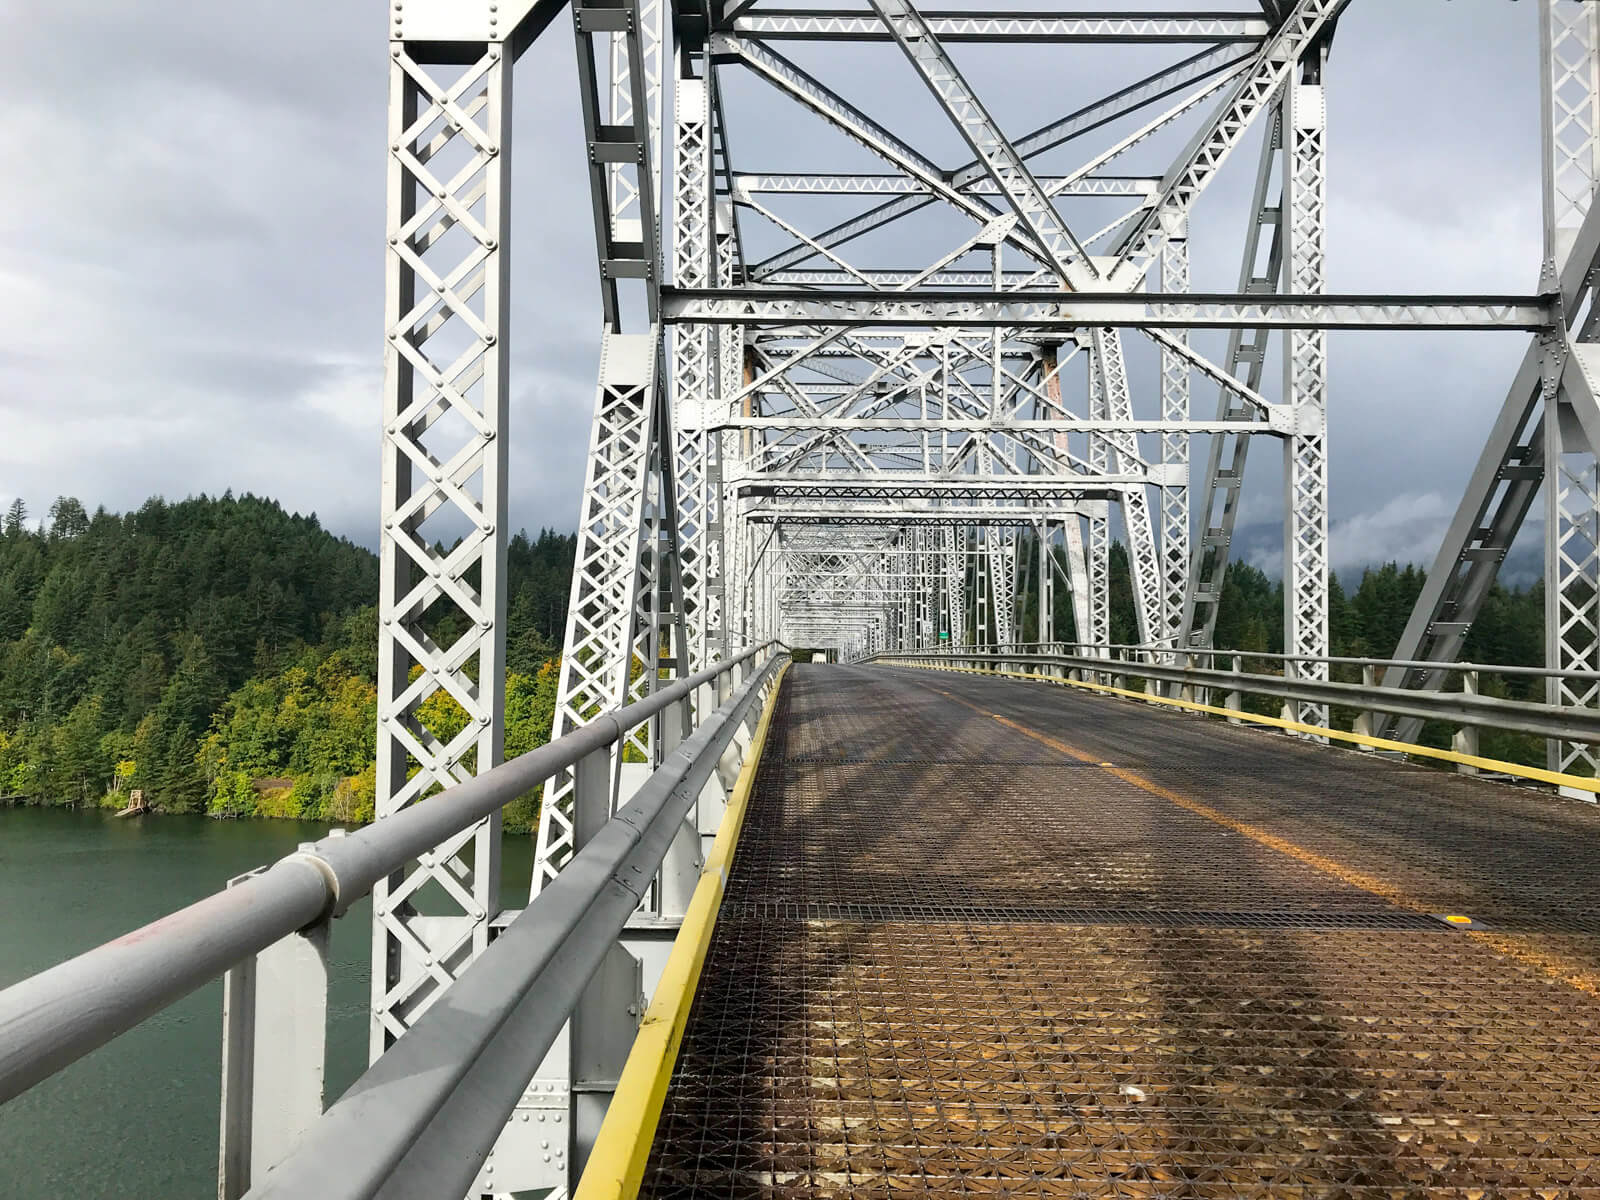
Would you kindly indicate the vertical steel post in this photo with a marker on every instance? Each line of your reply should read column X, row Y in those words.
column 1122, row 451
column 444, row 463
column 1465, row 739
column 694, row 374
column 1305, row 379
column 274, row 1054
column 1174, row 445
column 1366, row 722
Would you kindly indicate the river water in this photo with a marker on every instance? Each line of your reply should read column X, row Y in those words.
column 138, row 1118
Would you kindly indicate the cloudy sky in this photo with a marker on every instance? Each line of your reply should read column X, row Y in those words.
column 191, row 256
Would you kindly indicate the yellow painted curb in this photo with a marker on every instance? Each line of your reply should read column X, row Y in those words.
column 616, row 1164
column 1577, row 782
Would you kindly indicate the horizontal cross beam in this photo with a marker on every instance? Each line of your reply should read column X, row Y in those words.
column 894, row 514
column 1067, row 311
column 847, row 26
column 918, row 485
column 987, row 425
column 805, row 183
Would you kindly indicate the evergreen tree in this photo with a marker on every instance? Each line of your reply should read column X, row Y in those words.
column 207, row 649
column 16, row 518
column 67, row 518
column 81, row 769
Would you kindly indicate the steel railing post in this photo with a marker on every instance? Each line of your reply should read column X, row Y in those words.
column 238, row 1076
column 1235, row 699
column 680, row 869
column 1465, row 739
column 274, row 1053
column 1366, row 721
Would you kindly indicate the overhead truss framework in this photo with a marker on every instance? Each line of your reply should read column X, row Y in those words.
column 993, row 360
column 870, row 383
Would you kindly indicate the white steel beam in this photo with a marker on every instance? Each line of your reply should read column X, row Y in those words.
column 1305, row 451
column 1176, row 361
column 1246, row 359
column 1002, row 28
column 1072, row 311
column 446, row 315
column 1570, row 36
column 1278, row 58
column 1091, row 117
column 995, row 152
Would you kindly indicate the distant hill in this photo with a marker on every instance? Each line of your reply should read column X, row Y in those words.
column 186, row 646
column 219, row 654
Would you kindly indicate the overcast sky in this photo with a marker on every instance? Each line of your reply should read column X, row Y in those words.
column 191, row 255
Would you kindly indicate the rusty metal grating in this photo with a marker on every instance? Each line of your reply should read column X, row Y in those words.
column 926, row 914
column 964, row 978
column 1036, row 836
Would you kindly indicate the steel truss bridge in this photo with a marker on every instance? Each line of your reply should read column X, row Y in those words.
column 981, row 906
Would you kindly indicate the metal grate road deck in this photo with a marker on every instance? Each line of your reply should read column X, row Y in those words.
column 959, row 958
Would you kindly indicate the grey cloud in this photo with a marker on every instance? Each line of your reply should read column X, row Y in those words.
column 191, row 264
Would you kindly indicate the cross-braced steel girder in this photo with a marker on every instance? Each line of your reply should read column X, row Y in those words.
column 864, row 394
column 929, row 397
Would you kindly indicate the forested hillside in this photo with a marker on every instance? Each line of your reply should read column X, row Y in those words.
column 219, row 655
column 1365, row 623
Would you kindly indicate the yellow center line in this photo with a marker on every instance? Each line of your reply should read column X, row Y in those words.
column 1520, row 948
column 1311, row 858
column 1499, row 766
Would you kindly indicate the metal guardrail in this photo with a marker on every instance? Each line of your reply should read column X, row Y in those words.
column 1136, row 652
column 456, row 1074
column 1466, row 709
column 1128, row 651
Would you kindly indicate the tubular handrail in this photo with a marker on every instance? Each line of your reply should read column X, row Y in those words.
column 52, row 1019
column 1277, row 656
column 426, row 1114
column 1542, row 720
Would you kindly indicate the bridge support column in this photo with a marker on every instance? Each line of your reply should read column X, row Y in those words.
column 1305, row 470
column 1045, row 627
column 629, row 620
column 441, row 656
column 1121, row 452
column 1174, row 571
column 274, row 1054
column 1098, row 556
column 695, row 380
column 1366, row 723
column 955, row 585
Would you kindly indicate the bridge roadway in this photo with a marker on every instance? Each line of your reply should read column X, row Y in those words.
column 989, row 937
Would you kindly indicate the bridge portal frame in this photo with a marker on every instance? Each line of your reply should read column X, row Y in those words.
column 835, row 454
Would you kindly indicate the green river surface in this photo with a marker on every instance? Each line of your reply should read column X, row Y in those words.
column 138, row 1117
